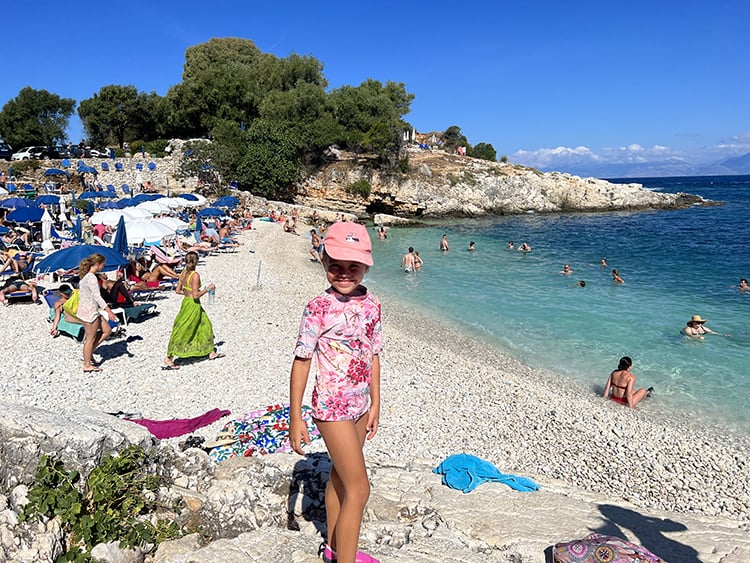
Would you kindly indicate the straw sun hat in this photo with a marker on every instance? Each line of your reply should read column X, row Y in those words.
column 697, row 319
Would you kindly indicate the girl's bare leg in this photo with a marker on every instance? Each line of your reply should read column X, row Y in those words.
column 90, row 343
column 348, row 487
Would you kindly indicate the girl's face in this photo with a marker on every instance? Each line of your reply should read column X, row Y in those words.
column 344, row 276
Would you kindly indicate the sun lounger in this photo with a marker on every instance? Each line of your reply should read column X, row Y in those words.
column 64, row 326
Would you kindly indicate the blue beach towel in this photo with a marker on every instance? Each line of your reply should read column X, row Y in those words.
column 466, row 472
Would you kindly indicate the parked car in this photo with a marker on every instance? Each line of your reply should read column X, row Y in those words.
column 99, row 154
column 6, row 152
column 28, row 153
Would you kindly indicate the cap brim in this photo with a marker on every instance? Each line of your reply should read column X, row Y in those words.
column 348, row 254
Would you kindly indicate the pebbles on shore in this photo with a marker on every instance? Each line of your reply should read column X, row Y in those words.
column 442, row 392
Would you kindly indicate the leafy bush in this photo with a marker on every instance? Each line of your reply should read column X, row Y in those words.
column 156, row 147
column 504, row 158
column 111, row 506
column 361, row 188
column 21, row 167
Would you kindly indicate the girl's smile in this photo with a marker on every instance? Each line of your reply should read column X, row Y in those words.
column 344, row 276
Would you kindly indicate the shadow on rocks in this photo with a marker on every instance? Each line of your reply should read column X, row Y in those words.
column 650, row 532
column 306, row 499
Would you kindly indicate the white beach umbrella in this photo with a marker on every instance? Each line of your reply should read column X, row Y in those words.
column 146, row 231
column 3, row 191
column 106, row 217
column 174, row 202
column 173, row 223
column 154, row 206
column 136, row 214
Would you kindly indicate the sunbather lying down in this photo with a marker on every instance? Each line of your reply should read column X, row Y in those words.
column 144, row 278
column 14, row 284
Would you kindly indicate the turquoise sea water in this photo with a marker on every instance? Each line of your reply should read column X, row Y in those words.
column 674, row 263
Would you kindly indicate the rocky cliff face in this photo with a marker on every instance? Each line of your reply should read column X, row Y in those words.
column 443, row 185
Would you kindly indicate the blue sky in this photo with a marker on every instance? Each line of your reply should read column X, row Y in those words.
column 557, row 85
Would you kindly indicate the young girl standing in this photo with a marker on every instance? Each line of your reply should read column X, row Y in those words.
column 340, row 330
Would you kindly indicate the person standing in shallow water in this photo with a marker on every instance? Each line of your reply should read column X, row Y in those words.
column 444, row 244
column 192, row 332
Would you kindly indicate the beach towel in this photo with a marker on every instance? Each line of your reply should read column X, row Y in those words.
column 597, row 548
column 261, row 432
column 179, row 426
column 466, row 472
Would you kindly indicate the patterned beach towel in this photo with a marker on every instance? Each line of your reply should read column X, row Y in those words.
column 261, row 432
column 597, row 548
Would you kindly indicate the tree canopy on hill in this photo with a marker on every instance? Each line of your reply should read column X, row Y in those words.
column 35, row 117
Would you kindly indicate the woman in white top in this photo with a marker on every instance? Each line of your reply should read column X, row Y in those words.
column 97, row 329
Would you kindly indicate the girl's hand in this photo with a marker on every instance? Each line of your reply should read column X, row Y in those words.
column 298, row 434
column 373, row 418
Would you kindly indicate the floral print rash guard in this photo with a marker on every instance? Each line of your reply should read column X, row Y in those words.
column 342, row 334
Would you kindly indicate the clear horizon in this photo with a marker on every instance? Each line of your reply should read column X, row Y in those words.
column 570, row 87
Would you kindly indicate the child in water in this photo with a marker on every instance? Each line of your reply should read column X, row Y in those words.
column 341, row 331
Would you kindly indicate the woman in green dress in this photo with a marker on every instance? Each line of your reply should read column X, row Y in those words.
column 192, row 332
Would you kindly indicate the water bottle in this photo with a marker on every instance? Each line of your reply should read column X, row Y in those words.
column 211, row 296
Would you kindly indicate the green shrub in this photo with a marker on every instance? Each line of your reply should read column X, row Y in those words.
column 21, row 167
column 112, row 505
column 156, row 147
column 361, row 188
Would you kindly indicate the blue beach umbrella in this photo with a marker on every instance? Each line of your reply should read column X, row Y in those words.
column 69, row 258
column 226, row 201
column 4, row 230
column 211, row 212
column 56, row 172
column 47, row 199
column 77, row 229
column 108, row 205
column 90, row 195
column 120, row 244
column 26, row 215
column 189, row 197
column 15, row 203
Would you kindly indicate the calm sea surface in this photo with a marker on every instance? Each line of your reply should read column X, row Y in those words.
column 675, row 264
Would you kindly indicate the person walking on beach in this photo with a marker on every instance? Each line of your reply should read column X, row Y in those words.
column 444, row 244
column 622, row 384
column 91, row 301
column 407, row 261
column 192, row 333
column 341, row 332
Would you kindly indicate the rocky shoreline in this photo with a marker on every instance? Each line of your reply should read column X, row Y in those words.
column 679, row 490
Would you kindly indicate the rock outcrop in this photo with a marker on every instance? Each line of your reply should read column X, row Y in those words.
column 443, row 185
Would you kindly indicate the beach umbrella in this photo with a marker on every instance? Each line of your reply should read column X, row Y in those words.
column 226, row 201
column 47, row 199
column 108, row 205
column 154, row 207
column 69, row 258
column 126, row 202
column 3, row 191
column 86, row 169
column 62, row 217
column 173, row 202
column 120, row 242
column 46, row 225
column 77, row 230
column 106, row 217
column 211, row 212
column 135, row 214
column 90, row 195
column 56, row 172
column 4, row 230
column 189, row 197
column 15, row 203
column 146, row 232
column 173, row 223
column 25, row 215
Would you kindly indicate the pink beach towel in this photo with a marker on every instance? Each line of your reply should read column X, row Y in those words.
column 179, row 426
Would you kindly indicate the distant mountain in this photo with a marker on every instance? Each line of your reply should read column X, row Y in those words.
column 660, row 169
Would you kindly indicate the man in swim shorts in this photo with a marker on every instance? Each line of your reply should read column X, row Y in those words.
column 407, row 262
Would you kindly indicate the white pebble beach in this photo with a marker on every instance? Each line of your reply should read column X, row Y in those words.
column 442, row 392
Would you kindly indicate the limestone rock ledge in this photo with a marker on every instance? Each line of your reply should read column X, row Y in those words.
column 443, row 185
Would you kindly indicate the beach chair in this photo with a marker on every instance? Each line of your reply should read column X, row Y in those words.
column 126, row 190
column 135, row 313
column 162, row 257
column 29, row 191
column 64, row 326
column 118, row 166
column 105, row 167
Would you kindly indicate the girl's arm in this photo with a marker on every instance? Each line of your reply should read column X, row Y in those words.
column 373, row 418
column 607, row 386
column 297, row 382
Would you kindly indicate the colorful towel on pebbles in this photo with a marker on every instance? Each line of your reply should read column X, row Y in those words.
column 597, row 548
column 261, row 432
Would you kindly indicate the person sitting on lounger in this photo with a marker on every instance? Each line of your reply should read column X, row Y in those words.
column 114, row 292
column 225, row 235
column 144, row 278
column 17, row 283
column 65, row 292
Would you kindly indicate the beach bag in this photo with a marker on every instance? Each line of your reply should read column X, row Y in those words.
column 71, row 305
column 598, row 548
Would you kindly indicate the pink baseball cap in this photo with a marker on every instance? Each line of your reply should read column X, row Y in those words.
column 348, row 241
